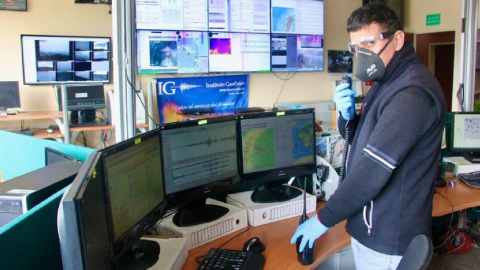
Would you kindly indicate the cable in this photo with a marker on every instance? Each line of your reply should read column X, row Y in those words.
column 283, row 85
column 135, row 92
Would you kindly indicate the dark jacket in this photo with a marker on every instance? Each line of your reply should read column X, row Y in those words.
column 393, row 158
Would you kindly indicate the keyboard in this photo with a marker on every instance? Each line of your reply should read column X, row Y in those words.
column 471, row 179
column 231, row 260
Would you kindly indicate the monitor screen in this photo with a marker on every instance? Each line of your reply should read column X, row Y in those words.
column 239, row 52
column 297, row 52
column 53, row 156
column 466, row 132
column 239, row 16
column 297, row 17
column 172, row 15
column 65, row 59
column 9, row 95
column 82, row 97
column 135, row 188
column 276, row 141
column 277, row 145
column 83, row 228
column 172, row 52
column 200, row 159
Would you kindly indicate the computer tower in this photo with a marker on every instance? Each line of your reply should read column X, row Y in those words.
column 24, row 192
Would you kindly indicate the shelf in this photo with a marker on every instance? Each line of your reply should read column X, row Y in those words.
column 45, row 135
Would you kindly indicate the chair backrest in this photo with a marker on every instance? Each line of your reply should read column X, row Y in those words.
column 418, row 254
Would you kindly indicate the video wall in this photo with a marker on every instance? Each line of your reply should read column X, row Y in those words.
column 202, row 36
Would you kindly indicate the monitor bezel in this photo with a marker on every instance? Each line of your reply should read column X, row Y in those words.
column 124, row 242
column 475, row 150
column 67, row 37
column 276, row 174
column 207, row 190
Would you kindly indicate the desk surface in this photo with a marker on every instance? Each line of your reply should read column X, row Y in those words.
column 276, row 236
column 456, row 198
column 32, row 116
column 279, row 253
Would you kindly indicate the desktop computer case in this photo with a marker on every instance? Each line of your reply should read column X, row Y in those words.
column 199, row 235
column 265, row 213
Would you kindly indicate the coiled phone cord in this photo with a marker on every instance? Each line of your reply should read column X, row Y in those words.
column 343, row 165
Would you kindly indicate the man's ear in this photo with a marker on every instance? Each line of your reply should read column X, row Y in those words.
column 399, row 40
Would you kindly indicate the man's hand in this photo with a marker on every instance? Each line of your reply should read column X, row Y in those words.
column 310, row 230
column 343, row 100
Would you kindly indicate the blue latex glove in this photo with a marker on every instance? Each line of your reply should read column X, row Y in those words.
column 310, row 230
column 343, row 100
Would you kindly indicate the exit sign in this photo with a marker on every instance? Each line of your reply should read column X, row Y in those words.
column 433, row 19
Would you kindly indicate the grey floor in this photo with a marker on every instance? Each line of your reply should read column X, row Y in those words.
column 463, row 261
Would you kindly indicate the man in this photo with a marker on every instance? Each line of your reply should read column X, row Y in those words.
column 387, row 194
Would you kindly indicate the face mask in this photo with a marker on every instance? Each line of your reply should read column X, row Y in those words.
column 369, row 66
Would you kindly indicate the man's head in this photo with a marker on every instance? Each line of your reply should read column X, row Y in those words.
column 376, row 27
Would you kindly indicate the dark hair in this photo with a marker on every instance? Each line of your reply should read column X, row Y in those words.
column 375, row 12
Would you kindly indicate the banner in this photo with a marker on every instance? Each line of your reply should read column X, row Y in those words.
column 219, row 93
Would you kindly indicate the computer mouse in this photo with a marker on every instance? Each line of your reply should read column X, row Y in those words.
column 254, row 245
column 49, row 130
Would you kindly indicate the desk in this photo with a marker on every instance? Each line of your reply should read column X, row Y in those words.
column 279, row 254
column 460, row 196
column 276, row 236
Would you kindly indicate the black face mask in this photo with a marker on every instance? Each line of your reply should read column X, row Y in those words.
column 369, row 66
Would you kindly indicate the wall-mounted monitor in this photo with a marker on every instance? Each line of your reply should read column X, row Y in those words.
column 65, row 59
column 297, row 17
column 239, row 52
column 297, row 52
column 172, row 52
column 172, row 15
column 249, row 16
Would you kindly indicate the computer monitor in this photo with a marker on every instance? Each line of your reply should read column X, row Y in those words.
column 83, row 229
column 53, row 156
column 200, row 160
column 466, row 134
column 276, row 146
column 65, row 59
column 135, row 192
column 82, row 100
column 82, row 97
column 9, row 95
column 172, row 52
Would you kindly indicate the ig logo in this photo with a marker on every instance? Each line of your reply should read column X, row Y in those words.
column 166, row 88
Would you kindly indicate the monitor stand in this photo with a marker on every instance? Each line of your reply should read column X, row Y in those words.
column 198, row 212
column 272, row 192
column 143, row 255
column 472, row 158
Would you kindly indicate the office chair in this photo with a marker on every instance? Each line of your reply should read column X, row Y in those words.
column 418, row 254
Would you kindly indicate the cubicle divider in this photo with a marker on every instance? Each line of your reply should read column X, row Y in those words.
column 20, row 154
column 31, row 240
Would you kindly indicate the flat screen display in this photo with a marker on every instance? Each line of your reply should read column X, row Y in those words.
column 9, row 95
column 297, row 17
column 64, row 59
column 172, row 15
column 297, row 52
column 466, row 132
column 239, row 16
column 172, row 52
column 239, row 52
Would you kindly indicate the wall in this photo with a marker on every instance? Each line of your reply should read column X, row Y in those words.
column 451, row 20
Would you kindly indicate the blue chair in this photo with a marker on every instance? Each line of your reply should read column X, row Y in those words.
column 418, row 254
